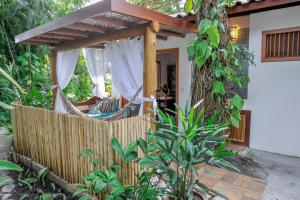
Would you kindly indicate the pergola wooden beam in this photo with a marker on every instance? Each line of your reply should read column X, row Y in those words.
column 172, row 33
column 161, row 37
column 259, row 6
column 123, row 7
column 94, row 40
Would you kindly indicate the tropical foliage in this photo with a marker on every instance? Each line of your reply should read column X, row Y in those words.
column 169, row 163
column 28, row 65
column 217, row 62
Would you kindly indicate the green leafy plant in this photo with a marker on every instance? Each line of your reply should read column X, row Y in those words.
column 6, row 165
column 48, row 196
column 26, row 65
column 170, row 159
column 217, row 63
column 31, row 180
column 101, row 180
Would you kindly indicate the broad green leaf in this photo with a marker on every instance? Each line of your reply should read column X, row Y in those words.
column 213, row 12
column 204, row 25
column 6, row 106
column 2, row 180
column 86, row 153
column 237, row 102
column 131, row 156
column 6, row 165
column 145, row 162
column 200, row 61
column 79, row 191
column 202, row 186
column 218, row 88
column 143, row 145
column 234, row 121
column 191, row 49
column 96, row 162
column 119, row 189
column 42, row 173
column 11, row 79
column 99, row 186
column 198, row 5
column 116, row 166
column 203, row 52
column 84, row 197
column 188, row 6
column 213, row 35
column 236, row 113
column 117, row 147
column 130, row 147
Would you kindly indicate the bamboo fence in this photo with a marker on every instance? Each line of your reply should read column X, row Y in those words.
column 55, row 140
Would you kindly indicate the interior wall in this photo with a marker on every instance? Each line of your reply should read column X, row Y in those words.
column 184, row 64
column 165, row 60
column 274, row 94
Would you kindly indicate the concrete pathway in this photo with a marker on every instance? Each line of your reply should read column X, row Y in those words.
column 283, row 178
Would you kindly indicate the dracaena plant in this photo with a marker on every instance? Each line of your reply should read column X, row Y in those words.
column 171, row 156
column 217, row 62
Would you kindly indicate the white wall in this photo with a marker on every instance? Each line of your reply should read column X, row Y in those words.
column 184, row 64
column 274, row 89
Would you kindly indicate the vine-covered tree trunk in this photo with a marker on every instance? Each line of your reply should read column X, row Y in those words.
column 202, row 78
column 217, row 62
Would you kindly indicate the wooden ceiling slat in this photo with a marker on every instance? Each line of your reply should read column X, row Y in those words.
column 111, row 21
column 172, row 33
column 43, row 40
column 37, row 43
column 69, row 33
column 86, row 27
column 57, row 36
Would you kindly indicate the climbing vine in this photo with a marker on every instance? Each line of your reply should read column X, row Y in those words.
column 217, row 62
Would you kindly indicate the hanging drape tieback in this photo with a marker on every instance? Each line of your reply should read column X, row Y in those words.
column 154, row 102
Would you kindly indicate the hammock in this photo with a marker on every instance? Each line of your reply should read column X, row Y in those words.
column 121, row 114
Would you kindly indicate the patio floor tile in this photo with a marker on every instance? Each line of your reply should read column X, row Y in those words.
column 233, row 185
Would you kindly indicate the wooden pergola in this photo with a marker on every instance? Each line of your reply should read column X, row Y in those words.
column 105, row 21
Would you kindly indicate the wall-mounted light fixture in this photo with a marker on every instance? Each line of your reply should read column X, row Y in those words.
column 234, row 33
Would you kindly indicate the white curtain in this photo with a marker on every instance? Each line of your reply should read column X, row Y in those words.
column 65, row 66
column 127, row 60
column 96, row 66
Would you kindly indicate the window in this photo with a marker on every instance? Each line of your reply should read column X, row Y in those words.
column 281, row 45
